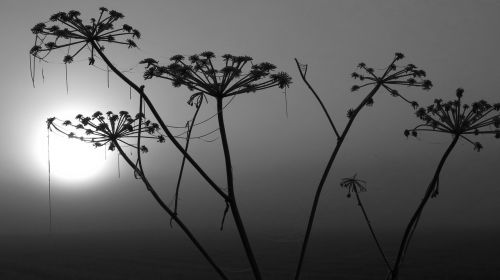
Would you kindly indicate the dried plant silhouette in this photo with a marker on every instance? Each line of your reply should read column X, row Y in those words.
column 355, row 185
column 122, row 130
column 68, row 33
column 200, row 76
column 460, row 121
column 208, row 78
column 390, row 77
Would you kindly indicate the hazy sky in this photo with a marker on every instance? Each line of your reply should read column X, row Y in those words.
column 277, row 159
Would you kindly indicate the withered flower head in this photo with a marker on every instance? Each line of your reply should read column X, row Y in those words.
column 65, row 30
column 353, row 184
column 112, row 129
column 393, row 75
column 462, row 120
column 200, row 74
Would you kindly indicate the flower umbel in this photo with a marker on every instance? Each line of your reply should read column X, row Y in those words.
column 199, row 74
column 100, row 129
column 353, row 184
column 393, row 75
column 456, row 118
column 69, row 30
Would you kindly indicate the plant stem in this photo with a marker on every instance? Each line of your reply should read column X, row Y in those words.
column 140, row 91
column 169, row 211
column 50, row 195
column 340, row 140
column 372, row 231
column 230, row 187
column 416, row 216
column 181, row 171
column 303, row 76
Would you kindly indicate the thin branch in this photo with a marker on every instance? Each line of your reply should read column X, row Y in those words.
column 303, row 75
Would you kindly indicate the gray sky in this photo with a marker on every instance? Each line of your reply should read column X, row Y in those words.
column 278, row 160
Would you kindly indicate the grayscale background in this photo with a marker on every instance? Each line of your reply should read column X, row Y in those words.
column 279, row 148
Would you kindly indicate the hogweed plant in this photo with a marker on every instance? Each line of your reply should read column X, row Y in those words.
column 460, row 121
column 355, row 185
column 389, row 78
column 119, row 131
column 199, row 74
column 68, row 31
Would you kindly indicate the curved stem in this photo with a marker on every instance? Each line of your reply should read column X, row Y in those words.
column 169, row 211
column 410, row 228
column 230, row 187
column 325, row 175
column 50, row 195
column 372, row 231
column 140, row 91
column 186, row 147
column 303, row 76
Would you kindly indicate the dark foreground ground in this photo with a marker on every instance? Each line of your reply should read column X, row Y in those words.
column 167, row 255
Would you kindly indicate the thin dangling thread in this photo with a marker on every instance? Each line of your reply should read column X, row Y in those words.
column 43, row 75
column 286, row 105
column 66, row 68
column 118, row 165
column 32, row 67
column 50, row 198
column 130, row 92
column 107, row 71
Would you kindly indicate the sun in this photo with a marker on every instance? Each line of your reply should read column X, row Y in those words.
column 70, row 159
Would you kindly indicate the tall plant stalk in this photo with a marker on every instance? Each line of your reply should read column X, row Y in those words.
column 356, row 185
column 391, row 76
column 50, row 190
column 325, row 174
column 200, row 75
column 412, row 224
column 232, row 198
column 461, row 121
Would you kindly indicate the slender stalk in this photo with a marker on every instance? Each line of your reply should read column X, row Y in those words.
column 169, row 211
column 186, row 147
column 372, row 231
column 317, row 195
column 140, row 91
column 232, row 199
column 50, row 195
column 416, row 216
column 303, row 76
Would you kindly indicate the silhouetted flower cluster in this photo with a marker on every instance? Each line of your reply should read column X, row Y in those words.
column 69, row 30
column 100, row 129
column 459, row 119
column 199, row 74
column 353, row 184
column 393, row 75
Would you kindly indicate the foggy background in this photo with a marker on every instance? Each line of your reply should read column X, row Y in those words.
column 277, row 158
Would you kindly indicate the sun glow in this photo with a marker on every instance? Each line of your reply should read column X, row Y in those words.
column 70, row 159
